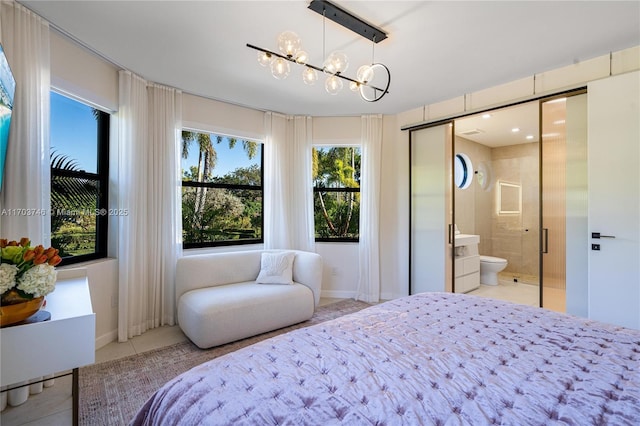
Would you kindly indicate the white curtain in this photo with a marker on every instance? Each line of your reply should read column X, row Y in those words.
column 369, row 247
column 288, row 187
column 302, row 221
column 149, row 243
column 27, row 177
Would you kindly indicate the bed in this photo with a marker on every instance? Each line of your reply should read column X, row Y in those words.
column 431, row 358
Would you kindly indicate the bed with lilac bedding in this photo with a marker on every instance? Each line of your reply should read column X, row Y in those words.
column 432, row 358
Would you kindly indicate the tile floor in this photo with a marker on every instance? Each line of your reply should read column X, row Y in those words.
column 524, row 291
column 53, row 406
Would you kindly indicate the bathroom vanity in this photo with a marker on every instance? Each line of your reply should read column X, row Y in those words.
column 467, row 263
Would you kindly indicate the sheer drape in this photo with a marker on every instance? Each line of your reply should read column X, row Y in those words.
column 27, row 181
column 288, row 188
column 149, row 240
column 368, row 247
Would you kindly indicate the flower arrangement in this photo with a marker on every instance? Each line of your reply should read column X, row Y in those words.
column 26, row 272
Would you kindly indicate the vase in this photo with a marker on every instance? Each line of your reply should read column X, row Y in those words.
column 16, row 312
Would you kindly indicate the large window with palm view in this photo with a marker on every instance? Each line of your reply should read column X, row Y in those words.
column 79, row 155
column 336, row 187
column 222, row 195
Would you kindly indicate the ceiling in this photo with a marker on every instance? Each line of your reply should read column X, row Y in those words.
column 497, row 128
column 434, row 50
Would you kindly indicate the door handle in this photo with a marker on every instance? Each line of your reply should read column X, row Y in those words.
column 597, row 235
column 545, row 241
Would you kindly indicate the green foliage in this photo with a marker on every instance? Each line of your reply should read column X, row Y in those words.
column 73, row 206
column 220, row 214
column 336, row 213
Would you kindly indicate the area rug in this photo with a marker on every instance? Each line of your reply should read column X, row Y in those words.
column 112, row 392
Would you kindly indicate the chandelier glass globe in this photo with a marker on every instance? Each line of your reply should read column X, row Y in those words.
column 280, row 68
column 302, row 57
column 309, row 76
column 264, row 58
column 333, row 85
column 336, row 62
column 365, row 74
column 289, row 43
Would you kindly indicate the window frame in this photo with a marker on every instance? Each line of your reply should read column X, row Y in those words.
column 101, row 176
column 215, row 185
column 342, row 190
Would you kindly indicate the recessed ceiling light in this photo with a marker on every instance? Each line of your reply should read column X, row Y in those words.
column 529, row 137
column 515, row 129
column 485, row 116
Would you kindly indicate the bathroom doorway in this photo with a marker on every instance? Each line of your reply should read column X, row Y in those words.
column 527, row 198
column 500, row 202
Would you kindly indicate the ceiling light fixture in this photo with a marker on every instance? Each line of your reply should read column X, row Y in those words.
column 369, row 78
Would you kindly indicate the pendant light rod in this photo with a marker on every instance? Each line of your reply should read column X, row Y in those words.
column 348, row 20
column 291, row 59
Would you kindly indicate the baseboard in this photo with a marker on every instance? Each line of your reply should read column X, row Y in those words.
column 338, row 294
column 107, row 338
column 341, row 294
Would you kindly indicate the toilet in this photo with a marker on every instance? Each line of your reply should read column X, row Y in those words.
column 489, row 268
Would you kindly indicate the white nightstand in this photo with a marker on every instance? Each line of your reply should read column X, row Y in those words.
column 65, row 342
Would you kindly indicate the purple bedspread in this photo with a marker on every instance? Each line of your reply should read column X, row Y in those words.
column 432, row 358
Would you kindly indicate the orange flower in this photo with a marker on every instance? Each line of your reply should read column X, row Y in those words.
column 40, row 259
column 39, row 250
column 28, row 255
column 3, row 242
column 55, row 260
column 12, row 244
column 50, row 252
column 24, row 242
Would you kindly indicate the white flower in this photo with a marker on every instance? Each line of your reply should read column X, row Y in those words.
column 7, row 276
column 39, row 280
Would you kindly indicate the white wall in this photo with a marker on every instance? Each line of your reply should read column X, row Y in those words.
column 82, row 74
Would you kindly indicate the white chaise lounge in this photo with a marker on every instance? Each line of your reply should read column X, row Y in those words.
column 219, row 300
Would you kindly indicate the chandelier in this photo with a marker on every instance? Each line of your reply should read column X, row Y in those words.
column 371, row 80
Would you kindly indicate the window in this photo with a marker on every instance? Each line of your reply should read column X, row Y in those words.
column 79, row 179
column 222, row 195
column 463, row 171
column 336, row 188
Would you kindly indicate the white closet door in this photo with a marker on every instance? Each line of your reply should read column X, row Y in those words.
column 431, row 261
column 614, row 199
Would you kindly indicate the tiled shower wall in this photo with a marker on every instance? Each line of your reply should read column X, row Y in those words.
column 512, row 236
column 515, row 237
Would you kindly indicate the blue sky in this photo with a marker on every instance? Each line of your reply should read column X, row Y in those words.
column 228, row 159
column 74, row 130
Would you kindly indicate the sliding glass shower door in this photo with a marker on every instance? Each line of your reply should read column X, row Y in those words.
column 564, row 201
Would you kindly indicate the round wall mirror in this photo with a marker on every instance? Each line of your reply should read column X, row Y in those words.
column 463, row 171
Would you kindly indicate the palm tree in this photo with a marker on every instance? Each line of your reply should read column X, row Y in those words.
column 207, row 161
column 338, row 171
column 69, row 193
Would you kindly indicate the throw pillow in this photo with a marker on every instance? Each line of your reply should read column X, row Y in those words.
column 276, row 268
